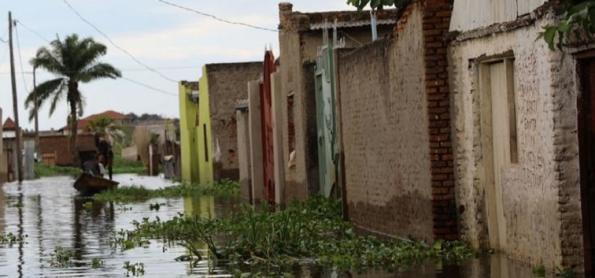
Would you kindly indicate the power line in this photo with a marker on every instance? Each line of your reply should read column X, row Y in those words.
column 116, row 45
column 149, row 87
column 216, row 17
column 32, row 31
column 131, row 69
column 21, row 59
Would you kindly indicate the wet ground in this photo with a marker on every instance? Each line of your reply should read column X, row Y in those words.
column 50, row 214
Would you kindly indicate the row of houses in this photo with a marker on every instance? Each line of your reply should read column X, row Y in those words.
column 458, row 124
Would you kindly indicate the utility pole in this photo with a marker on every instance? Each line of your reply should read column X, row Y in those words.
column 36, row 107
column 15, row 106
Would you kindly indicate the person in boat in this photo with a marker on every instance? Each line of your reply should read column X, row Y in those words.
column 105, row 155
column 91, row 167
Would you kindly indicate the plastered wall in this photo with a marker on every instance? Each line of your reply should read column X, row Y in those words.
column 540, row 193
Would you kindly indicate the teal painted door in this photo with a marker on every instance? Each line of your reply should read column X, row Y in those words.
column 325, row 119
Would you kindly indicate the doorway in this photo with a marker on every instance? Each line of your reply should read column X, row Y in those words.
column 499, row 141
column 586, row 123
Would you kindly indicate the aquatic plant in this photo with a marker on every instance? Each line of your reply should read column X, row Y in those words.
column 311, row 232
column 156, row 206
column 136, row 269
column 96, row 263
column 10, row 239
column 141, row 194
column 61, row 257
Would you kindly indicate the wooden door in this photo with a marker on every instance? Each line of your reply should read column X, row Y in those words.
column 266, row 100
column 586, row 119
column 498, row 141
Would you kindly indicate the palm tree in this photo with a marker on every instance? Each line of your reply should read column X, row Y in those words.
column 72, row 61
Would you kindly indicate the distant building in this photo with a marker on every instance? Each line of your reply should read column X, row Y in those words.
column 3, row 160
column 208, row 124
column 118, row 119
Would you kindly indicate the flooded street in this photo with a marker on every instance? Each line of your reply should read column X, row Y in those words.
column 49, row 214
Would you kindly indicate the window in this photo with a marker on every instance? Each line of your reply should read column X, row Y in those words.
column 204, row 134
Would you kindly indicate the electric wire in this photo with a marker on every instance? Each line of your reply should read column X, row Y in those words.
column 216, row 17
column 149, row 87
column 32, row 31
column 81, row 17
column 138, row 83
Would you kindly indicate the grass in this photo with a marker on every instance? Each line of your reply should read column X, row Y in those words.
column 42, row 170
column 274, row 243
column 121, row 166
column 140, row 194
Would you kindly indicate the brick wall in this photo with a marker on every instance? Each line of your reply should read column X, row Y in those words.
column 396, row 128
column 59, row 145
column 227, row 85
column 436, row 21
column 385, row 133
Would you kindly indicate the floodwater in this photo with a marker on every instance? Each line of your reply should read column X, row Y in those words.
column 50, row 214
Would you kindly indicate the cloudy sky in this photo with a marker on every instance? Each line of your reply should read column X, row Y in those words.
column 173, row 41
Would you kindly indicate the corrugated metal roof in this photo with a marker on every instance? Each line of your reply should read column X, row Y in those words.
column 350, row 24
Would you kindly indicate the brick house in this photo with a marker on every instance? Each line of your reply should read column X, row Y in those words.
column 300, row 37
column 522, row 134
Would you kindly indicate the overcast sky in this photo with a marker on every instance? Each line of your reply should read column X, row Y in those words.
column 174, row 41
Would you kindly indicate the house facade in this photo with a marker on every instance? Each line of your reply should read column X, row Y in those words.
column 522, row 134
column 209, row 143
column 300, row 38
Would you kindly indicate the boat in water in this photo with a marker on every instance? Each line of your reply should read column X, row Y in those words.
column 89, row 185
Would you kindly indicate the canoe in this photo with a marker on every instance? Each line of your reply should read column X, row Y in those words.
column 89, row 185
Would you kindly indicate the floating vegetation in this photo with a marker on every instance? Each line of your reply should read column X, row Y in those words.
column 61, row 257
column 88, row 205
column 11, row 239
column 140, row 194
column 156, row 206
column 96, row 263
column 136, row 269
column 311, row 233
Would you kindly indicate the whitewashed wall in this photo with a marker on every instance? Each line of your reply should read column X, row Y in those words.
column 473, row 14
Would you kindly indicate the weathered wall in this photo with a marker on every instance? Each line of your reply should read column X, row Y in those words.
column 298, row 49
column 204, row 142
column 540, row 194
column 188, row 125
column 226, row 86
column 473, row 14
column 385, row 134
column 243, row 140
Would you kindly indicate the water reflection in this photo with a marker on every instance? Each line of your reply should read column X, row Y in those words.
column 51, row 214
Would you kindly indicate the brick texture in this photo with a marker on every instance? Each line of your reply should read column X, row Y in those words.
column 436, row 20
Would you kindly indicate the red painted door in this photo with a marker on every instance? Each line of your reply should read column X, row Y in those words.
column 587, row 158
column 267, row 127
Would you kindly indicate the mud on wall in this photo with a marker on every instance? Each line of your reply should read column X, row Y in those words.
column 540, row 193
column 385, row 134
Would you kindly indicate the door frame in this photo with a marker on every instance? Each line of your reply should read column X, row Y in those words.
column 584, row 101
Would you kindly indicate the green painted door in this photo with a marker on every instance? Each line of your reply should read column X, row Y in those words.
column 325, row 119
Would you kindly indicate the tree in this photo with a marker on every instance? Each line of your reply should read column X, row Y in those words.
column 377, row 4
column 72, row 61
column 578, row 24
column 105, row 126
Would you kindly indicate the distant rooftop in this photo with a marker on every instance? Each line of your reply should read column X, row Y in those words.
column 9, row 124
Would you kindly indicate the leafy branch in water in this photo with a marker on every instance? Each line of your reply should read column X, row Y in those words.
column 310, row 233
column 578, row 23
